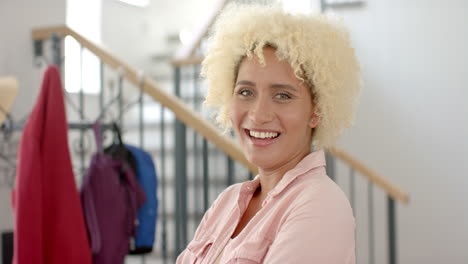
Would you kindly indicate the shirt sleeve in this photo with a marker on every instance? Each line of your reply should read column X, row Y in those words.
column 315, row 233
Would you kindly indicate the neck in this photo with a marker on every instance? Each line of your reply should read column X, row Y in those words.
column 269, row 178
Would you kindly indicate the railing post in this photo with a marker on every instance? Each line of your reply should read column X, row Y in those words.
column 101, row 92
column 38, row 51
column 141, row 124
column 163, row 189
column 181, row 176
column 392, row 250
column 352, row 189
column 82, row 117
column 120, row 102
column 230, row 171
column 370, row 200
column 250, row 176
column 196, row 156
column 141, row 128
column 56, row 51
column 205, row 175
column 330, row 168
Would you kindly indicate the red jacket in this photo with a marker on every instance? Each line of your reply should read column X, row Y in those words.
column 49, row 224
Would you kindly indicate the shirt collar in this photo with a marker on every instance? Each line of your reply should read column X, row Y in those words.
column 311, row 161
column 250, row 186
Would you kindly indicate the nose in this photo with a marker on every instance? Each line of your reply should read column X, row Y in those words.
column 261, row 110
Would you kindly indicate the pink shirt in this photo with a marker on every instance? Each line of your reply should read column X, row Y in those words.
column 306, row 218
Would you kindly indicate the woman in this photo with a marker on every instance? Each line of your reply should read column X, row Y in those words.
column 287, row 85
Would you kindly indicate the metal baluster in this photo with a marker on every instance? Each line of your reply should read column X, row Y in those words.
column 180, row 165
column 81, row 108
column 370, row 200
column 57, row 52
column 163, row 190
column 101, row 92
column 352, row 195
column 391, row 214
column 196, row 158
column 330, row 161
column 141, row 128
column 205, row 175
column 230, row 171
column 120, row 98
column 140, row 111
column 38, row 52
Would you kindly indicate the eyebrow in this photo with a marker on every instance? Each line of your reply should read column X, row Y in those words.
column 275, row 85
column 245, row 83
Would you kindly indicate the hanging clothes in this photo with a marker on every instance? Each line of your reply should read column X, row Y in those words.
column 111, row 198
column 49, row 223
column 143, row 167
column 147, row 215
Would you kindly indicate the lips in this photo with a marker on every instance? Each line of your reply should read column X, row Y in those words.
column 262, row 137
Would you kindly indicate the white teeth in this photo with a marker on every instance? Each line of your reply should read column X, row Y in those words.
column 257, row 134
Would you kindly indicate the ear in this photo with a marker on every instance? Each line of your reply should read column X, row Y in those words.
column 314, row 120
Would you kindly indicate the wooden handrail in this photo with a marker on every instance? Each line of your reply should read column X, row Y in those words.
column 182, row 112
column 193, row 60
column 188, row 116
column 392, row 190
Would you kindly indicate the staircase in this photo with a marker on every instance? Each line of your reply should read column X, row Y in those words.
column 195, row 162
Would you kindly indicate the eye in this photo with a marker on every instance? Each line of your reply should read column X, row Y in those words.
column 244, row 92
column 283, row 96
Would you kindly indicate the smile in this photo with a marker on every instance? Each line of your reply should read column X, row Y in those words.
column 262, row 135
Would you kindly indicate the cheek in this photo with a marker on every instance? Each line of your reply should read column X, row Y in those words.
column 295, row 120
column 234, row 113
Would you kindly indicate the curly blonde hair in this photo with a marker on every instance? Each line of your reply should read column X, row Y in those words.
column 316, row 46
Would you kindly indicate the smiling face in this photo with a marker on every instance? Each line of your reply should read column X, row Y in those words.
column 272, row 113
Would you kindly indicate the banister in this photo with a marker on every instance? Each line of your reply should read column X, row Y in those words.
column 192, row 60
column 392, row 190
column 182, row 112
column 187, row 115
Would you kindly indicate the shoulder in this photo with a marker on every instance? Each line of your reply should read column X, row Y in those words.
column 225, row 201
column 315, row 194
column 229, row 193
column 219, row 211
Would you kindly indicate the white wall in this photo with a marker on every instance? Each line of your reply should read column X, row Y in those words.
column 412, row 123
column 137, row 34
column 17, row 18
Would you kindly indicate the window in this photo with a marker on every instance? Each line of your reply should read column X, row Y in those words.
column 82, row 69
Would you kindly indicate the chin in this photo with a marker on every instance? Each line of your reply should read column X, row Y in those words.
column 262, row 161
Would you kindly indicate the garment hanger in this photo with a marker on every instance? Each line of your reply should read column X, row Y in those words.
column 117, row 145
column 117, row 133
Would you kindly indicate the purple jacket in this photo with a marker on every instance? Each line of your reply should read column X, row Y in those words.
column 111, row 198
